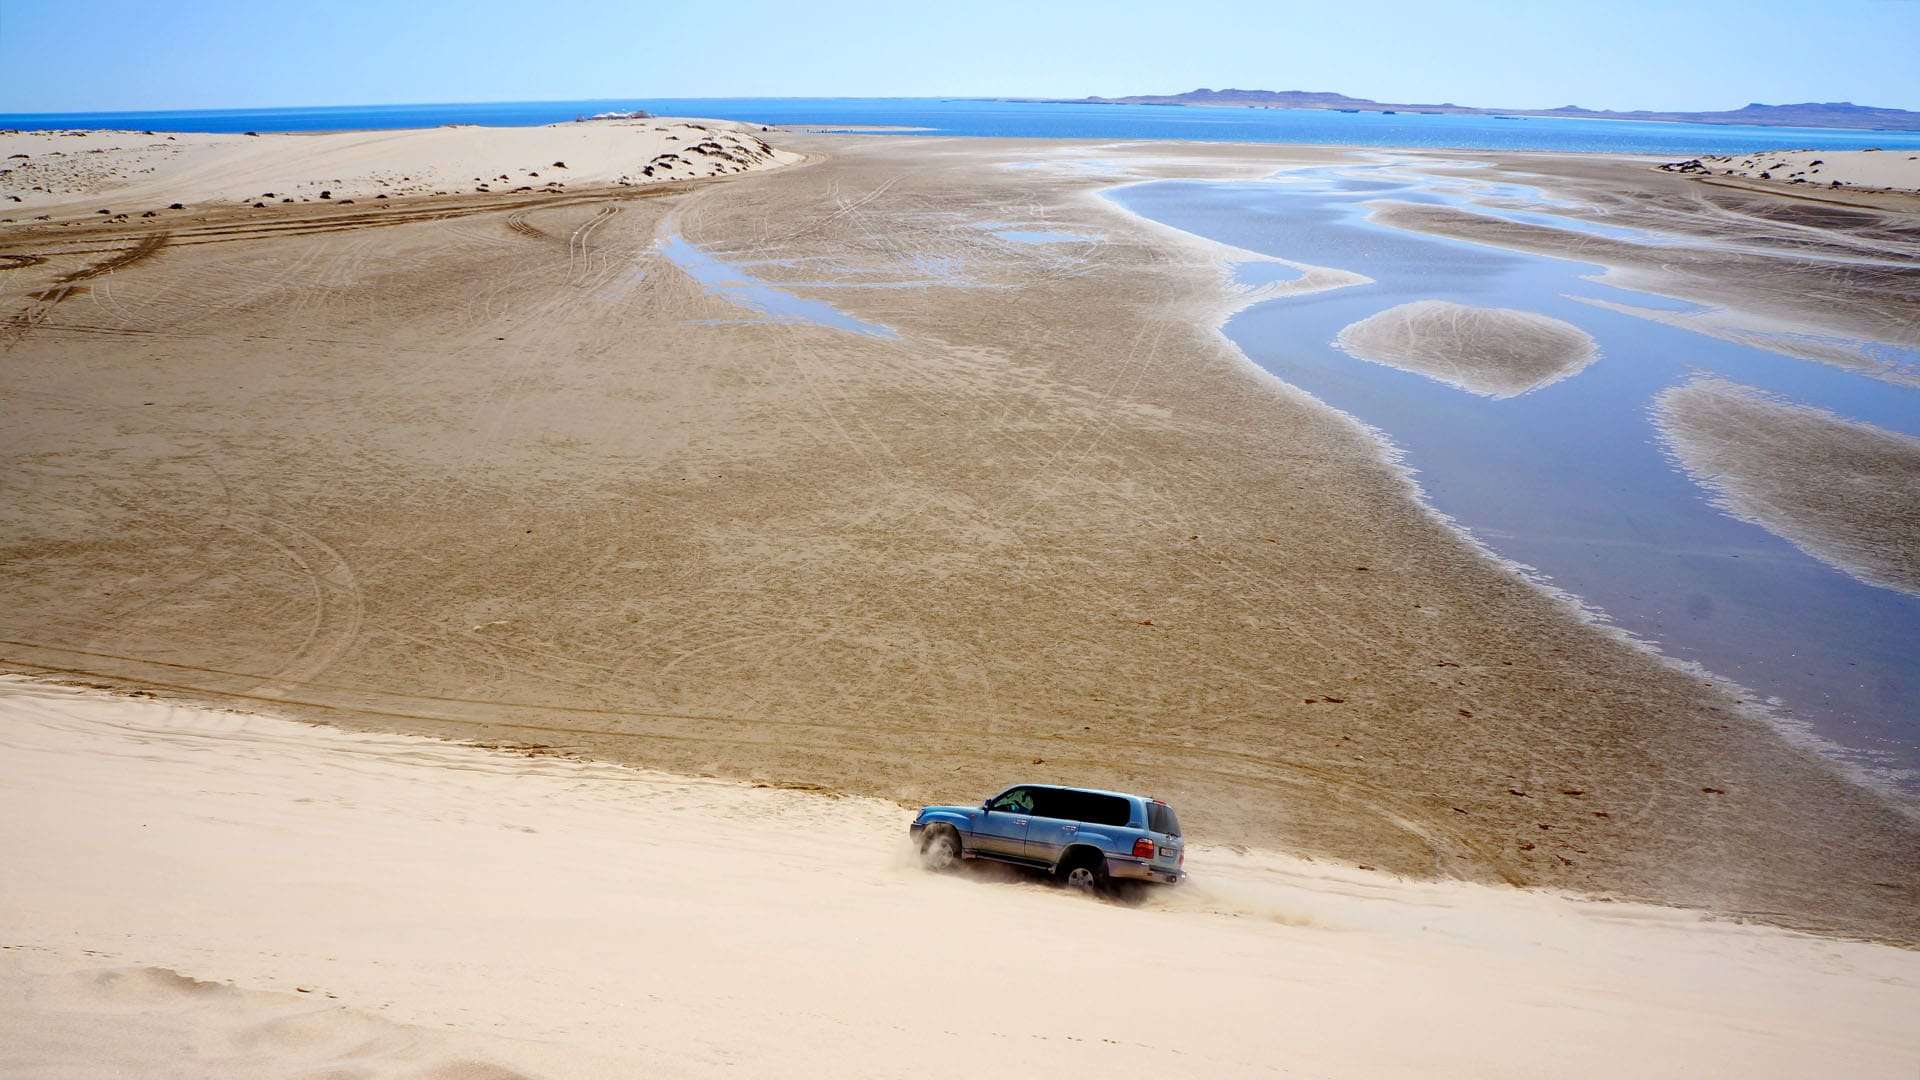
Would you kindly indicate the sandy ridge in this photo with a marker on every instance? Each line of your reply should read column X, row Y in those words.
column 62, row 176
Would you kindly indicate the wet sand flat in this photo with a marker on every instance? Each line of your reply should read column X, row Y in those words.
column 1787, row 267
column 1568, row 478
column 1497, row 352
column 497, row 469
column 1847, row 492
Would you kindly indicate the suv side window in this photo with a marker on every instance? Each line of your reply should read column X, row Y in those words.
column 1087, row 806
column 1106, row 810
column 1017, row 801
column 1055, row 803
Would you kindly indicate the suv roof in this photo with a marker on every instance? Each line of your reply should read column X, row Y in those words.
column 1088, row 790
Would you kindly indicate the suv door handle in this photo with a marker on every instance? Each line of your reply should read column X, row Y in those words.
column 1019, row 821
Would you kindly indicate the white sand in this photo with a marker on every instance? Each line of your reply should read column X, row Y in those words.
column 1884, row 170
column 456, row 912
column 164, row 1025
column 80, row 172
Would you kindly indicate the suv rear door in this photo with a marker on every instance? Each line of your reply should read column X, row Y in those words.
column 1055, row 822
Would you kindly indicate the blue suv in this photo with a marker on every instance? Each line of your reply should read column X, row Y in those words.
column 1087, row 839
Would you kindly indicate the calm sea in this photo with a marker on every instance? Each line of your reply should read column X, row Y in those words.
column 1032, row 119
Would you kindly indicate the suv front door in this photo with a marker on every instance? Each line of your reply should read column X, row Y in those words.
column 1002, row 830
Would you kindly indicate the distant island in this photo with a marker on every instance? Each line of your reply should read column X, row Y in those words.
column 1824, row 114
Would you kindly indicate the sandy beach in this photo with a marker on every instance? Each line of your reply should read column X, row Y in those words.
column 759, row 503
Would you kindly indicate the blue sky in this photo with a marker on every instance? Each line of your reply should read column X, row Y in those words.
column 63, row 55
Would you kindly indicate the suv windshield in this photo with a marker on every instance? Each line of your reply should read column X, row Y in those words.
column 1161, row 819
column 1019, row 801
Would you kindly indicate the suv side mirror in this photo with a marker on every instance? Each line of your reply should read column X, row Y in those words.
column 986, row 806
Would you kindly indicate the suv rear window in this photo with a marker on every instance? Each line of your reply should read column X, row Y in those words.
column 1087, row 806
column 1162, row 819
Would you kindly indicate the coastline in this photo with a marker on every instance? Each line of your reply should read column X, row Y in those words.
column 990, row 118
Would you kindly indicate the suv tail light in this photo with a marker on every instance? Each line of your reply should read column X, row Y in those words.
column 1143, row 848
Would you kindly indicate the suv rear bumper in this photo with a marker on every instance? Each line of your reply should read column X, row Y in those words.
column 1124, row 868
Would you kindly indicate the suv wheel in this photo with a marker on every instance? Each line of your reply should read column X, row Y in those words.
column 1085, row 875
column 941, row 850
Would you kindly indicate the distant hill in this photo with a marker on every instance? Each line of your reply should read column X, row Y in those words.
column 1827, row 114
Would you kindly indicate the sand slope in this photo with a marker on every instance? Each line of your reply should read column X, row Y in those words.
column 67, row 173
column 64, row 1020
column 558, row 918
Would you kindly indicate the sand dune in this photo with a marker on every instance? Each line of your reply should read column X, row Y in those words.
column 68, row 174
column 1874, row 170
column 457, row 913
column 1845, row 492
column 1497, row 352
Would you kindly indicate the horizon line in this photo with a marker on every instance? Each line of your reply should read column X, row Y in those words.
column 1086, row 99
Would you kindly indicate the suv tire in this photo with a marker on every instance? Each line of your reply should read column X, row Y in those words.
column 1085, row 873
column 941, row 851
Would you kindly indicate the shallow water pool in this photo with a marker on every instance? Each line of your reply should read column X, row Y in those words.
column 732, row 281
column 1571, row 479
